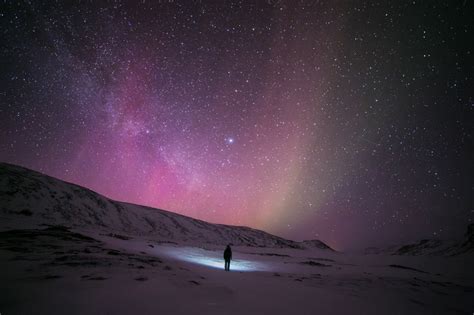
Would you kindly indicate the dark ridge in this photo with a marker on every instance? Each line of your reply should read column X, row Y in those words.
column 407, row 268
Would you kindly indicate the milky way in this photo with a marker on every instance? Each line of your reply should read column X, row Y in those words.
column 345, row 121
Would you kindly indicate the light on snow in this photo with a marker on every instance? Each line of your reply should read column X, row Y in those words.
column 212, row 259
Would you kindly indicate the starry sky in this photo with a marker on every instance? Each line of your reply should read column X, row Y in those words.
column 346, row 121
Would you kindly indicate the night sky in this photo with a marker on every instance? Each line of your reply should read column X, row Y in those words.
column 347, row 121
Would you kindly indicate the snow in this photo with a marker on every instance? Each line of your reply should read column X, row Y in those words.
column 81, row 253
column 208, row 258
column 64, row 274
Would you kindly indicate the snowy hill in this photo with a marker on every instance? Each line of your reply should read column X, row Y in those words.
column 431, row 246
column 66, row 249
column 315, row 244
column 33, row 199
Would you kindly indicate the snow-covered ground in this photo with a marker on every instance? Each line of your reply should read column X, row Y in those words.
column 68, row 250
column 55, row 271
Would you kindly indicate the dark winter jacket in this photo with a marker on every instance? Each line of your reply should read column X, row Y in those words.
column 228, row 253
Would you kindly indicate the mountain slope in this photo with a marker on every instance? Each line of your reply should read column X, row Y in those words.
column 435, row 247
column 34, row 198
column 441, row 247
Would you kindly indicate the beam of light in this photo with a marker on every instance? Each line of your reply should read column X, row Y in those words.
column 212, row 259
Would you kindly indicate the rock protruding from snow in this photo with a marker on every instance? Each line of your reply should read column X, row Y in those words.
column 33, row 198
column 468, row 245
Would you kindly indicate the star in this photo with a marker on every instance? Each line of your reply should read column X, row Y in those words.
column 286, row 117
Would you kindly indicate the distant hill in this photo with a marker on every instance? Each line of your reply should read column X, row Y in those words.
column 431, row 246
column 29, row 198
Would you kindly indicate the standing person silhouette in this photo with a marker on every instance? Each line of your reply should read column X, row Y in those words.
column 227, row 257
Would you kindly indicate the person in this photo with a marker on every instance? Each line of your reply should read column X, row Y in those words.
column 227, row 257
